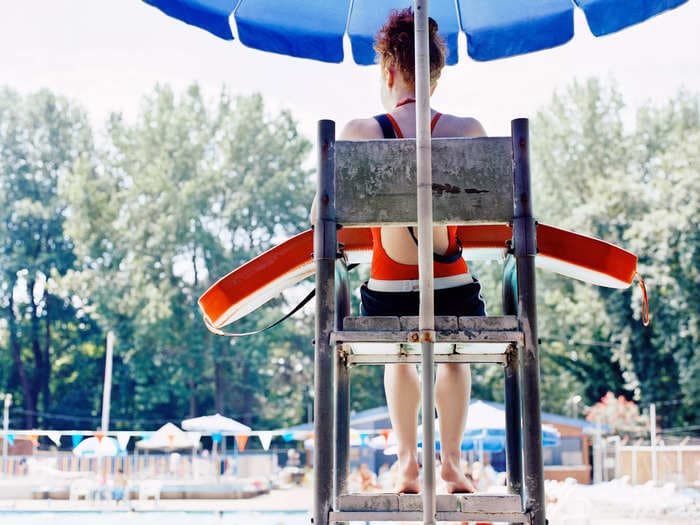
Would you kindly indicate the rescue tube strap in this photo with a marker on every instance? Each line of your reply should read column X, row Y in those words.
column 213, row 329
column 645, row 299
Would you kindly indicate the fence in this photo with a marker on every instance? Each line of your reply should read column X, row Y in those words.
column 141, row 466
column 679, row 464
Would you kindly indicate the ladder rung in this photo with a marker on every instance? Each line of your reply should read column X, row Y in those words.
column 508, row 517
column 443, row 336
column 448, row 329
column 449, row 507
column 380, row 359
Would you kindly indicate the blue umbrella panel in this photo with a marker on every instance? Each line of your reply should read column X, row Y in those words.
column 314, row 29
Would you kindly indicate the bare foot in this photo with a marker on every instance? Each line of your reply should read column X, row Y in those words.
column 407, row 478
column 455, row 480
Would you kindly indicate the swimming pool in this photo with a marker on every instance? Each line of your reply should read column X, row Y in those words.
column 117, row 517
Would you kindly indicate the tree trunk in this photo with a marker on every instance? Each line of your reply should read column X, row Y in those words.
column 39, row 365
column 218, row 386
column 193, row 398
column 247, row 393
column 29, row 399
column 46, row 377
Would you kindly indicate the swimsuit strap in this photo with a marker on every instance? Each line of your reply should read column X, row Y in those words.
column 435, row 121
column 386, row 125
column 391, row 128
column 395, row 125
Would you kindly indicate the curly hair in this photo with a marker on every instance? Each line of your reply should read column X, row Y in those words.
column 394, row 44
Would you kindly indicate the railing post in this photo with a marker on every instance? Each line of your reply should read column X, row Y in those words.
column 525, row 248
column 514, row 461
column 325, row 247
column 342, row 385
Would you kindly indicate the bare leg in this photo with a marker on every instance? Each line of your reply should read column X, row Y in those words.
column 452, row 390
column 403, row 397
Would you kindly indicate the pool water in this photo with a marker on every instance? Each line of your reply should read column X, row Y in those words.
column 154, row 518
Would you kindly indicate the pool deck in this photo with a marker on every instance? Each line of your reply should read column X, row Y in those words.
column 284, row 500
column 297, row 499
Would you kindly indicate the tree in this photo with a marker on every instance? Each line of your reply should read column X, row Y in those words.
column 669, row 242
column 175, row 200
column 41, row 137
column 637, row 189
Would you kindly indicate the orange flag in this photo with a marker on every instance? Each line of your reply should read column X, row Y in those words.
column 241, row 440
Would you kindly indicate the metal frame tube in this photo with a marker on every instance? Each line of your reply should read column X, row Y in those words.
column 525, row 248
column 325, row 246
column 426, row 313
column 514, row 461
column 342, row 385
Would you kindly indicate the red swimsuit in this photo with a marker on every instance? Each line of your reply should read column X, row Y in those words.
column 384, row 268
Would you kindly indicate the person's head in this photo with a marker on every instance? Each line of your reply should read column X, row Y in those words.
column 395, row 47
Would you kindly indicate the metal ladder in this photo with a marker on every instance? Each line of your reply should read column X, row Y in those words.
column 358, row 184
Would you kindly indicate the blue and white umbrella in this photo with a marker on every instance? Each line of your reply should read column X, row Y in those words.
column 486, row 429
column 94, row 447
column 494, row 29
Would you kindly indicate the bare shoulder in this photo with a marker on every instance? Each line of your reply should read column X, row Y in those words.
column 361, row 129
column 454, row 126
column 472, row 127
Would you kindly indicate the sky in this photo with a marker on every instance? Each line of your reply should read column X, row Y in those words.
column 106, row 54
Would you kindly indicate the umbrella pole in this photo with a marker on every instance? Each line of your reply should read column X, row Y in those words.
column 426, row 320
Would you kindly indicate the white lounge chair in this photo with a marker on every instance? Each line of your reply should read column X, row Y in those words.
column 150, row 488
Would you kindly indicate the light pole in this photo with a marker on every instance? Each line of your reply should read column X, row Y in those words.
column 5, row 428
column 107, row 388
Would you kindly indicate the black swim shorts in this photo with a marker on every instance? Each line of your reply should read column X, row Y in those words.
column 462, row 300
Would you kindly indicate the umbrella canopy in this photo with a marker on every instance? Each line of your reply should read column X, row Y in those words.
column 486, row 429
column 169, row 437
column 215, row 423
column 494, row 29
column 93, row 447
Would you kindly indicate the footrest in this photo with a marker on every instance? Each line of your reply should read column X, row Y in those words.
column 375, row 340
column 449, row 507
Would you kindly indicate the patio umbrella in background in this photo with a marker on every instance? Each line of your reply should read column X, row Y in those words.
column 486, row 430
column 494, row 29
column 215, row 423
column 93, row 447
column 170, row 437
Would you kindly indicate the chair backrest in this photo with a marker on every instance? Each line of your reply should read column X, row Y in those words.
column 375, row 181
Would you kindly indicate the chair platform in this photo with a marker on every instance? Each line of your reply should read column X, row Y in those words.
column 449, row 507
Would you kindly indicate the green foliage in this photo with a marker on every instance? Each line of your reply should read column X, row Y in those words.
column 194, row 191
column 639, row 189
column 125, row 236
column 41, row 137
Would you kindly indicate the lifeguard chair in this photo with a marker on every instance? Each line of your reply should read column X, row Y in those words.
column 483, row 186
column 484, row 181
